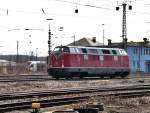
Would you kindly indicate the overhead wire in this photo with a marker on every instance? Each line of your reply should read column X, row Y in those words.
column 99, row 7
column 88, row 5
column 42, row 11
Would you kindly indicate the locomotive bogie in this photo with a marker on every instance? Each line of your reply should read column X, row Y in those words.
column 88, row 72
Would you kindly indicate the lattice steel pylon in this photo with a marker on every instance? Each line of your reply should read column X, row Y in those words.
column 124, row 23
column 49, row 38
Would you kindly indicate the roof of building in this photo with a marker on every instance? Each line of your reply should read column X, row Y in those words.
column 86, row 42
column 133, row 44
column 6, row 62
column 92, row 42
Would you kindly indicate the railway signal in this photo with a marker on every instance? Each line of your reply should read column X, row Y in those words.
column 76, row 10
column 49, row 38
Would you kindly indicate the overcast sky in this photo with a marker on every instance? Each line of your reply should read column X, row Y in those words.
column 18, row 15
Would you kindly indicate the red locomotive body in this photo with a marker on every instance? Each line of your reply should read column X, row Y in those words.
column 74, row 61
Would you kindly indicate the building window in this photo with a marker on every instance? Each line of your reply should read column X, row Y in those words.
column 138, row 64
column 135, row 51
column 146, row 51
column 141, row 51
column 133, row 63
column 149, row 51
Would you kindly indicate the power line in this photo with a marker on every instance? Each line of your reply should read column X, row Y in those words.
column 87, row 5
column 99, row 7
column 70, row 2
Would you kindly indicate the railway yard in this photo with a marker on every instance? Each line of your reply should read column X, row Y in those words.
column 129, row 95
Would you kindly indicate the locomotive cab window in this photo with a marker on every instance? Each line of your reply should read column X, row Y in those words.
column 92, row 51
column 122, row 52
column 99, row 51
column 73, row 50
column 57, row 49
column 84, row 50
column 117, row 51
column 105, row 51
column 114, row 52
column 65, row 49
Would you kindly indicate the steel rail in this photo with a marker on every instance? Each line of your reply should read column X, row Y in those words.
column 66, row 91
column 63, row 101
column 44, row 103
column 44, row 77
column 20, row 78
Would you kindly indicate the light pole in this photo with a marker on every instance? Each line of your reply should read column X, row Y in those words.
column 17, row 60
column 26, row 29
column 61, row 29
column 74, row 40
column 103, row 33
column 17, row 55
column 36, row 54
column 147, row 31
column 31, row 52
column 49, row 37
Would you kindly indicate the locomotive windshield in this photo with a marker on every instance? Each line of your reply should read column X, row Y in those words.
column 61, row 49
column 58, row 50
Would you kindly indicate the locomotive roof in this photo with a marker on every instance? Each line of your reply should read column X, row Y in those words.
column 120, row 51
column 91, row 47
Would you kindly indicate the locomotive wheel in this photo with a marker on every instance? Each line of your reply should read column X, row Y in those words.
column 57, row 77
column 123, row 76
column 112, row 76
column 75, row 75
column 68, row 77
column 81, row 77
column 102, row 77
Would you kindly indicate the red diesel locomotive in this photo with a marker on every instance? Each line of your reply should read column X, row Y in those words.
column 75, row 61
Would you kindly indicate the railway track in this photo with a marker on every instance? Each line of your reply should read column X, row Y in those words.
column 43, row 77
column 20, row 78
column 44, row 103
column 83, row 94
column 45, row 93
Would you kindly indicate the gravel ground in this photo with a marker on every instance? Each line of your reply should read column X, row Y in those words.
column 135, row 105
column 129, row 105
column 53, row 84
